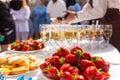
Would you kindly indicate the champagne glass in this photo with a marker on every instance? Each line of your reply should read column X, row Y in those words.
column 107, row 32
column 99, row 35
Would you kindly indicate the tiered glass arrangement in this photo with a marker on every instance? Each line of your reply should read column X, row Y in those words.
column 87, row 36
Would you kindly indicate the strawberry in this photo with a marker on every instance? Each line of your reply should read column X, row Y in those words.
column 65, row 67
column 44, row 66
column 35, row 42
column 26, row 48
column 78, row 77
column 102, row 76
column 86, row 55
column 66, row 76
column 61, row 52
column 77, row 51
column 56, row 61
column 73, row 70
column 85, row 63
column 37, row 47
column 71, row 59
column 90, row 72
column 100, row 63
column 53, row 73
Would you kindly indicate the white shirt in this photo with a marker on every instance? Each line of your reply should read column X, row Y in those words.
column 56, row 9
column 21, row 18
column 99, row 10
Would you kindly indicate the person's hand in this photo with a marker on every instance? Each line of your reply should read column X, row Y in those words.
column 71, row 16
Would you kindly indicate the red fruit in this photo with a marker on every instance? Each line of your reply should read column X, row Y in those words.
column 86, row 55
column 66, row 76
column 90, row 73
column 44, row 66
column 65, row 67
column 100, row 63
column 61, row 52
column 53, row 73
column 70, row 58
column 56, row 61
column 73, row 70
column 37, row 47
column 26, row 48
column 85, row 63
column 79, row 77
column 102, row 76
column 36, row 42
column 77, row 51
column 29, row 43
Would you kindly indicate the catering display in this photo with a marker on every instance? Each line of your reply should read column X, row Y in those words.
column 75, row 64
column 27, row 45
column 15, row 64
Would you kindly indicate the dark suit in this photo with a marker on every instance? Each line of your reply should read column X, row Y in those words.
column 7, row 25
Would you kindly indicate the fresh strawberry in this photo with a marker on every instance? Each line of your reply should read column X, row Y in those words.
column 29, row 43
column 85, row 63
column 102, row 76
column 71, row 59
column 26, row 48
column 73, row 70
column 78, row 77
column 66, row 76
column 61, row 52
column 56, row 61
column 35, row 42
column 37, row 47
column 77, row 51
column 65, row 67
column 90, row 73
column 44, row 66
column 53, row 73
column 100, row 63
column 86, row 55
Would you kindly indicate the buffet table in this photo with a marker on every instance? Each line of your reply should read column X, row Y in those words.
column 110, row 54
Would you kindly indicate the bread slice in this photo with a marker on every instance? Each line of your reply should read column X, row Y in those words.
column 19, row 70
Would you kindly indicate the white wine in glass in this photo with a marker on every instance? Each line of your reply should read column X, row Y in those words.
column 108, row 32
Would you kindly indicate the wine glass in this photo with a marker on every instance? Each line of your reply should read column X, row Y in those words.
column 107, row 32
column 99, row 35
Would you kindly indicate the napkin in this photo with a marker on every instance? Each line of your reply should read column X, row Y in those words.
column 23, row 78
column 29, row 78
column 2, row 76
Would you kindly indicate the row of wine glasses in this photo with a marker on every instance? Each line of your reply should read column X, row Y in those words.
column 71, row 35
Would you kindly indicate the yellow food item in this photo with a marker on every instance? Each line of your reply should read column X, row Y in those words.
column 3, row 61
column 18, row 63
column 19, row 70
column 10, row 66
column 5, row 71
column 34, row 65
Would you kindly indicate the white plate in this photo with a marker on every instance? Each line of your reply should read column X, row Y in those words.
column 28, row 74
column 34, row 51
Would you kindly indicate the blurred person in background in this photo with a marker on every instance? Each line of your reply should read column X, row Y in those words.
column 40, row 17
column 56, row 8
column 31, row 31
column 106, row 11
column 7, row 27
column 82, row 2
column 21, row 13
column 73, row 5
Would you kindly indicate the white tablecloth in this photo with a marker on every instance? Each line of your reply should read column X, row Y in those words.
column 110, row 54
